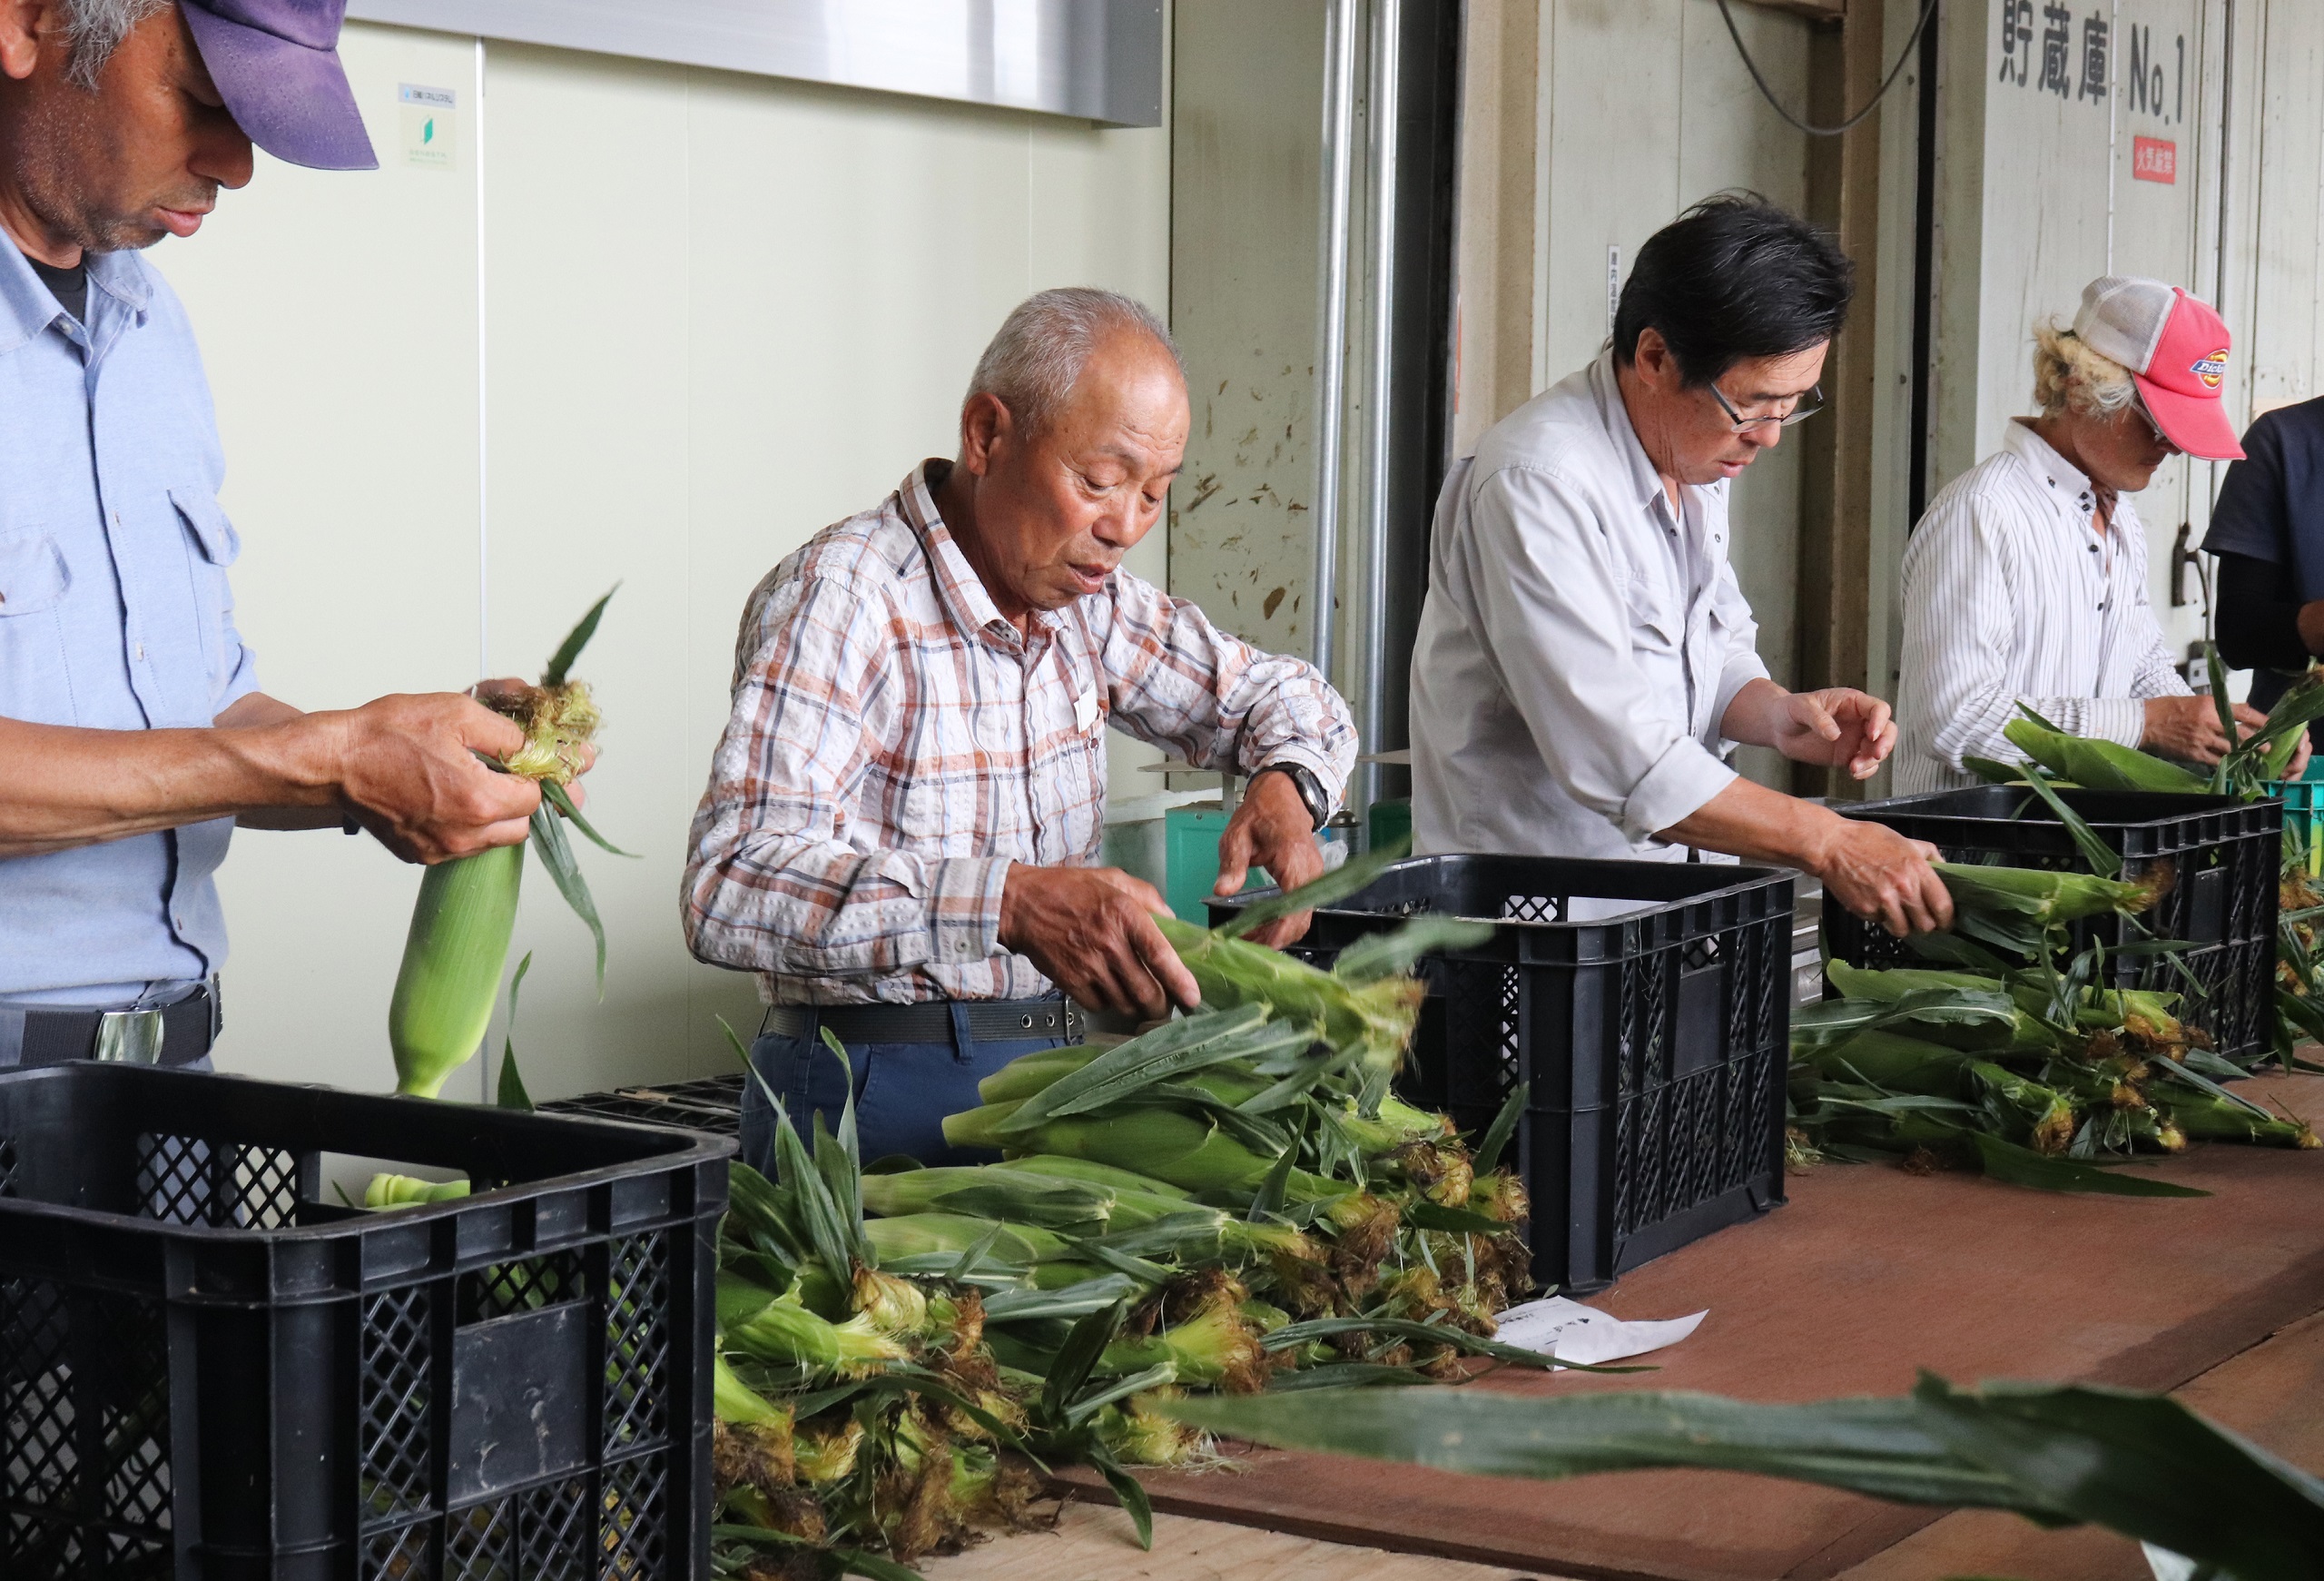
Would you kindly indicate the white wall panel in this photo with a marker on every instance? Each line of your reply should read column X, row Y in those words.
column 721, row 313
column 1648, row 109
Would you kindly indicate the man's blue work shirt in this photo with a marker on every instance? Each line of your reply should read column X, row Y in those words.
column 115, row 615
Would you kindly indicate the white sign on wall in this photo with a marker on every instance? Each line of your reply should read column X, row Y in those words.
column 430, row 126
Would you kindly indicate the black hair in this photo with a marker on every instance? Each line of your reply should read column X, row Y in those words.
column 1734, row 277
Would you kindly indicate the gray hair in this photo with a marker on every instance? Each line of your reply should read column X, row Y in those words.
column 93, row 29
column 1038, row 356
column 2068, row 373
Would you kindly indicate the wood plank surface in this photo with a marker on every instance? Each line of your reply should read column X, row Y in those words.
column 1093, row 1541
column 1868, row 1276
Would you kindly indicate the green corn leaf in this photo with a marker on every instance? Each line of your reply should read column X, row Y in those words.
column 1351, row 877
column 2176, row 1071
column 1127, row 1489
column 975, row 1255
column 1997, row 772
column 2026, row 708
column 1331, row 1375
column 2223, row 774
column 1082, row 1348
column 1865, row 1445
column 1313, row 1073
column 557, row 796
column 1154, row 1057
column 549, row 845
column 2100, row 857
column 1270, row 1197
column 2141, row 1465
column 1073, row 1301
column 560, row 664
column 817, row 1211
column 1429, row 1215
column 1377, row 956
column 512, row 1086
column 2021, row 1166
column 1503, row 1127
column 847, row 1104
column 1097, row 1400
column 843, row 1561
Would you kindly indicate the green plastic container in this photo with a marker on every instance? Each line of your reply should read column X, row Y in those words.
column 2304, row 799
column 1390, row 821
column 1190, row 836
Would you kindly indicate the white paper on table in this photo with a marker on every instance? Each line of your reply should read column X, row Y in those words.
column 1574, row 1332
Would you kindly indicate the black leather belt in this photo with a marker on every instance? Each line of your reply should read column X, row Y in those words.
column 990, row 1020
column 173, row 1035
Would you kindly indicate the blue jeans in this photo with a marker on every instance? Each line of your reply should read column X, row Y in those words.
column 902, row 1093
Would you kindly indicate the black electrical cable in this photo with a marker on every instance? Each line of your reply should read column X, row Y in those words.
column 1927, row 11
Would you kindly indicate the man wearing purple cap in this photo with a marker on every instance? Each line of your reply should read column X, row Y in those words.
column 2025, row 582
column 132, row 735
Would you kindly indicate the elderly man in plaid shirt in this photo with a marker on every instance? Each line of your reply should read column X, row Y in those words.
column 903, row 819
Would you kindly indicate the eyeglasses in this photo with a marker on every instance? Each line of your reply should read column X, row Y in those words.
column 1803, row 408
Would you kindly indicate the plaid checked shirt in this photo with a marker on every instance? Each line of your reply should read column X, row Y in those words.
column 895, row 744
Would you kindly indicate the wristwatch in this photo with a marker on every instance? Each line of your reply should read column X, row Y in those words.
column 1311, row 789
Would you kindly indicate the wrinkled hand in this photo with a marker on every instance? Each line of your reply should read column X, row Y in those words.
column 2187, row 728
column 2300, row 754
column 1879, row 875
column 1273, row 828
column 1838, row 728
column 408, row 767
column 1092, row 932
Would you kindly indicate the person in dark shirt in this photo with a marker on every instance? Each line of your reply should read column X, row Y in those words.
column 2268, row 531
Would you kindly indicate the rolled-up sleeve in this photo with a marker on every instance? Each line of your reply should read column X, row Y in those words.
column 1556, row 620
column 1178, row 682
column 771, row 885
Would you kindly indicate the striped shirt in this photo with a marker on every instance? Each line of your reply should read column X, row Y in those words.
column 2011, row 593
column 895, row 744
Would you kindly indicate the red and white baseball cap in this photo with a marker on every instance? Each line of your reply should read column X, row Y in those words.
column 2176, row 348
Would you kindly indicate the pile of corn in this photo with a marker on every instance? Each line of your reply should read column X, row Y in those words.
column 2252, row 770
column 2024, row 1065
column 1229, row 1201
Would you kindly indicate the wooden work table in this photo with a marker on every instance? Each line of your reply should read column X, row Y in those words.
column 1869, row 1275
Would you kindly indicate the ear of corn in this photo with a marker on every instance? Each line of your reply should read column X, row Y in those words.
column 1890, row 1060
column 452, row 961
column 2040, row 895
column 458, row 945
column 386, row 1190
column 2100, row 765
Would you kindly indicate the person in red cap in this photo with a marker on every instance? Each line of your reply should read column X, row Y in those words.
column 133, row 737
column 2027, row 581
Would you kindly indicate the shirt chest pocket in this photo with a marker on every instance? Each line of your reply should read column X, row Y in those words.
column 32, row 576
column 34, row 684
column 212, row 546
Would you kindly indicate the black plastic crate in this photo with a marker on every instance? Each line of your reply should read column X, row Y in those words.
column 710, row 1104
column 1655, row 1042
column 2223, row 856
column 208, row 1370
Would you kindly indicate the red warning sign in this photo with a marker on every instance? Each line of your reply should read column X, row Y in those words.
column 2154, row 159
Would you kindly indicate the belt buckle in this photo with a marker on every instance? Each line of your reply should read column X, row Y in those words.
column 130, row 1037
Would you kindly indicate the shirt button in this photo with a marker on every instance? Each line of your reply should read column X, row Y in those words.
column 141, row 653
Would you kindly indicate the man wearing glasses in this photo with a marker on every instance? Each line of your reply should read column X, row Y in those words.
column 2027, row 581
column 1585, row 665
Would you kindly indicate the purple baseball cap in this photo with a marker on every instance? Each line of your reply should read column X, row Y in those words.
column 276, row 64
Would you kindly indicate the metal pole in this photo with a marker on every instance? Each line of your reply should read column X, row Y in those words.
column 1387, row 17
column 1331, row 363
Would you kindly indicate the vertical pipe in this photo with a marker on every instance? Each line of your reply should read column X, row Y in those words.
column 483, row 497
column 1331, row 362
column 1387, row 25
